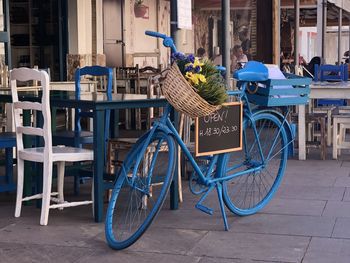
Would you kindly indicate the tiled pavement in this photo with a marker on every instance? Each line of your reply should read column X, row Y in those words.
column 308, row 221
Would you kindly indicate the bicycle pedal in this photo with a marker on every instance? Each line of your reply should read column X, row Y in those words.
column 205, row 209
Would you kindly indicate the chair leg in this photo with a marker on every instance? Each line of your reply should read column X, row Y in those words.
column 335, row 139
column 92, row 198
column 20, row 179
column 329, row 128
column 323, row 139
column 47, row 179
column 60, row 182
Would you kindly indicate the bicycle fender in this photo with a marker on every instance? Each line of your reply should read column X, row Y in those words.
column 289, row 128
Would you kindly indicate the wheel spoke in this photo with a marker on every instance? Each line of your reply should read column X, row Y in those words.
column 135, row 202
column 267, row 154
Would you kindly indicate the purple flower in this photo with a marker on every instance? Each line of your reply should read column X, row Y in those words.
column 189, row 68
column 190, row 58
column 178, row 56
column 197, row 69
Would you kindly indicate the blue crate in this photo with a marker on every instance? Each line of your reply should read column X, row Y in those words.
column 293, row 90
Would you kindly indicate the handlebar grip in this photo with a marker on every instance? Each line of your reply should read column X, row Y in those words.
column 155, row 34
column 167, row 41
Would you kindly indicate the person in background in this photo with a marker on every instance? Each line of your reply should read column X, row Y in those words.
column 201, row 53
column 217, row 57
column 238, row 58
column 245, row 42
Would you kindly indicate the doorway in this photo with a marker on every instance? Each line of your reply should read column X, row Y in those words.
column 113, row 39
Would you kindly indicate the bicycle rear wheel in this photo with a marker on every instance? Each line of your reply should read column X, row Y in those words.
column 140, row 190
column 250, row 192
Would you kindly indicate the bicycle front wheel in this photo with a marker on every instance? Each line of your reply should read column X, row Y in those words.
column 140, row 190
column 250, row 192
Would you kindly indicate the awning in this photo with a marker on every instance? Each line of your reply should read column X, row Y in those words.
column 308, row 11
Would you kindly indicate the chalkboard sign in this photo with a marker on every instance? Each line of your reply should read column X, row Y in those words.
column 220, row 131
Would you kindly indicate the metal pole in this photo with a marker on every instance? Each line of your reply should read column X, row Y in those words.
column 340, row 26
column 226, row 39
column 324, row 29
column 173, row 19
column 276, row 12
column 296, row 31
column 174, row 195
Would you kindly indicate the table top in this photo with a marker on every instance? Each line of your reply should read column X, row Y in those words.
column 328, row 84
column 330, row 90
column 88, row 100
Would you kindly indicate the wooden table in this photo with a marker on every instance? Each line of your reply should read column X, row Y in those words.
column 98, row 104
column 320, row 90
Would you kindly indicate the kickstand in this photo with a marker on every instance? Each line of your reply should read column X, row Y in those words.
column 222, row 206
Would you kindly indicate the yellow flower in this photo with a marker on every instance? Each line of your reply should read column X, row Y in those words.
column 202, row 78
column 197, row 63
column 195, row 78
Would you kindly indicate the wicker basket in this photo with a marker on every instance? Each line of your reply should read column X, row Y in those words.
column 182, row 96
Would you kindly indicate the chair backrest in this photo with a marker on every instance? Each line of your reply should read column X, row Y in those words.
column 149, row 70
column 98, row 71
column 25, row 75
column 328, row 72
column 127, row 72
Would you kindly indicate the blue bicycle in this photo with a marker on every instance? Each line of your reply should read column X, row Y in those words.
column 245, row 181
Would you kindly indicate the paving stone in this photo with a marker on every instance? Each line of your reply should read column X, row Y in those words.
column 192, row 219
column 231, row 260
column 318, row 167
column 325, row 250
column 78, row 236
column 337, row 209
column 287, row 191
column 28, row 253
column 342, row 228
column 246, row 246
column 161, row 240
column 343, row 181
column 345, row 164
column 285, row 225
column 346, row 197
column 295, row 207
column 307, row 179
column 137, row 257
column 329, row 168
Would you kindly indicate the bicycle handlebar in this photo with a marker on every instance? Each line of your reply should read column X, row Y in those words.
column 167, row 41
column 155, row 34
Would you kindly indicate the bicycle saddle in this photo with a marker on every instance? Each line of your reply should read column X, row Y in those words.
column 253, row 71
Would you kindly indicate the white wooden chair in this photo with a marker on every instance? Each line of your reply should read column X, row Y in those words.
column 341, row 123
column 47, row 154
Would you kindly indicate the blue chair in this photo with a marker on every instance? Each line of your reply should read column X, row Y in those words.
column 79, row 137
column 7, row 142
column 328, row 72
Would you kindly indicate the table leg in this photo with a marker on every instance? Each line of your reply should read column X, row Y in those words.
column 98, row 164
column 301, row 132
column 174, row 187
column 335, row 139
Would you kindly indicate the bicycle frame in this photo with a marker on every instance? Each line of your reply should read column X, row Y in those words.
column 206, row 179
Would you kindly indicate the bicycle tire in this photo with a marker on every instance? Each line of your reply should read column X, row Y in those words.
column 250, row 192
column 135, row 201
